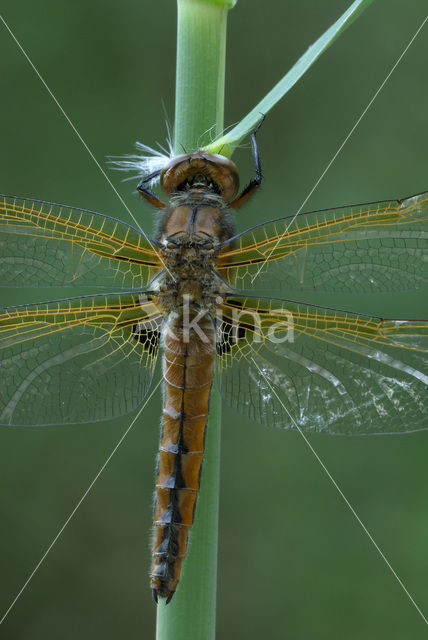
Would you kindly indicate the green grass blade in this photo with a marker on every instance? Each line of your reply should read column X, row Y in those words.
column 227, row 143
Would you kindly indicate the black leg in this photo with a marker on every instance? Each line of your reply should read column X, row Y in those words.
column 255, row 182
column 147, row 193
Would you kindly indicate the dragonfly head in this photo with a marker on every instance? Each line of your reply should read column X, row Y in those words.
column 201, row 172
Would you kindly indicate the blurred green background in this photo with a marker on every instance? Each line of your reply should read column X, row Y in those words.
column 293, row 561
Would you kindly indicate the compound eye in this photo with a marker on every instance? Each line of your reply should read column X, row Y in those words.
column 225, row 174
column 182, row 171
column 173, row 173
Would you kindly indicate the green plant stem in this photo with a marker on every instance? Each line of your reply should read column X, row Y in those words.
column 199, row 111
column 201, row 51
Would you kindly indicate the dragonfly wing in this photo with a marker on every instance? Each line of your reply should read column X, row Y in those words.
column 78, row 360
column 291, row 365
column 363, row 248
column 44, row 244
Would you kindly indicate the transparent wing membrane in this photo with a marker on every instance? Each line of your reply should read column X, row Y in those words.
column 280, row 362
column 44, row 244
column 331, row 371
column 364, row 248
column 78, row 360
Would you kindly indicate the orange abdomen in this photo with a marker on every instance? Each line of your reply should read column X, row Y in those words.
column 188, row 376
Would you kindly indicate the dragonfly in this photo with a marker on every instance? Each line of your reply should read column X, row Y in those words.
column 213, row 302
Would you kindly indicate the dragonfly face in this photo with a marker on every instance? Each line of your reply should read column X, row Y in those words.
column 206, row 172
column 211, row 297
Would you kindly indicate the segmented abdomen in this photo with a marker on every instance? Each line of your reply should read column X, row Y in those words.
column 188, row 376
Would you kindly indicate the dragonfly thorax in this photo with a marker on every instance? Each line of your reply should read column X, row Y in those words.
column 189, row 276
column 192, row 228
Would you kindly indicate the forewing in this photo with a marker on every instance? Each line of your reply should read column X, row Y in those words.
column 44, row 244
column 78, row 360
column 291, row 365
column 364, row 248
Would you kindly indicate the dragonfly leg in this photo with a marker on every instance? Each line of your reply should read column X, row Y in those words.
column 255, row 182
column 147, row 193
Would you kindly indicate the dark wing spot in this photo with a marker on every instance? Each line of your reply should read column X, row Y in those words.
column 147, row 336
column 228, row 334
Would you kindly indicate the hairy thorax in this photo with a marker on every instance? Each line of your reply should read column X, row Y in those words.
column 190, row 232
